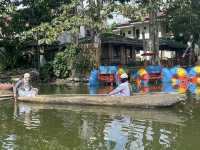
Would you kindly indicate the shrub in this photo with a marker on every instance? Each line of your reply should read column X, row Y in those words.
column 46, row 72
column 70, row 59
column 9, row 57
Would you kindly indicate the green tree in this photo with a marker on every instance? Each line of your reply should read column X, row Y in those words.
column 141, row 9
column 184, row 20
column 9, row 54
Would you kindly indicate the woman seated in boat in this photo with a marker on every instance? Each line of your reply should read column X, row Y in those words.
column 123, row 89
column 23, row 87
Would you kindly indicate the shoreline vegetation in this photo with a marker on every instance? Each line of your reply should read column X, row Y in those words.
column 14, row 75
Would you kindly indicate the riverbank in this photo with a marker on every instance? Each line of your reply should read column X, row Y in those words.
column 15, row 74
column 12, row 76
column 69, row 80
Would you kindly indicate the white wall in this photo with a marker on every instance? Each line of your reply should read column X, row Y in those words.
column 142, row 27
column 165, row 55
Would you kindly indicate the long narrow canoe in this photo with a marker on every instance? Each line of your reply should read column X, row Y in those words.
column 138, row 100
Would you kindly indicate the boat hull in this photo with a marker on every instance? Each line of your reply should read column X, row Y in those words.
column 138, row 100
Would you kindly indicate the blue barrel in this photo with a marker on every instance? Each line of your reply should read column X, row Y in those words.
column 103, row 69
column 112, row 69
column 153, row 69
column 93, row 79
column 167, row 87
column 166, row 75
column 192, row 73
column 173, row 71
column 134, row 74
column 192, row 88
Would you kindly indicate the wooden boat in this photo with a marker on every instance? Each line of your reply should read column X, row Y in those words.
column 137, row 100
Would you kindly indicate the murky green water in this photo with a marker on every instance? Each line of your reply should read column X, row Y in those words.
column 51, row 127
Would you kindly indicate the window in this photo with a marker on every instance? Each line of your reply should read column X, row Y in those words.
column 104, row 52
column 129, row 52
column 133, row 31
column 124, row 34
column 88, row 33
column 116, row 52
column 137, row 33
column 129, row 32
column 167, row 28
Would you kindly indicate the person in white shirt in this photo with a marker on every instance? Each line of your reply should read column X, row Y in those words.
column 123, row 89
column 24, row 88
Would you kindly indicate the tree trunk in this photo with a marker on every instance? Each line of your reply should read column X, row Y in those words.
column 98, row 49
column 197, row 51
column 153, row 31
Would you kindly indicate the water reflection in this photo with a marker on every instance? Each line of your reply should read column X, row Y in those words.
column 8, row 142
column 69, row 88
column 26, row 114
column 117, row 131
column 100, row 128
column 155, row 87
column 181, row 87
column 32, row 126
column 128, row 133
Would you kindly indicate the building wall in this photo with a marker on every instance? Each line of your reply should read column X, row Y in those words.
column 164, row 55
column 136, row 30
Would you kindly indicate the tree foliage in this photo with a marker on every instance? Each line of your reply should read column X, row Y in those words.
column 70, row 59
column 42, row 21
column 184, row 19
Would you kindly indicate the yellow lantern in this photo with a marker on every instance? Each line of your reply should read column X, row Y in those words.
column 182, row 88
column 121, row 71
column 142, row 72
column 174, row 81
column 197, row 69
column 198, row 80
column 181, row 72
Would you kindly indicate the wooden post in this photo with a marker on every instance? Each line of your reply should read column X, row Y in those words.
column 123, row 59
column 98, row 48
column 110, row 53
column 98, row 56
column 98, row 51
column 133, row 54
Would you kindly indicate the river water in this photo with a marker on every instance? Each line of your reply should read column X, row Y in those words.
column 52, row 127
